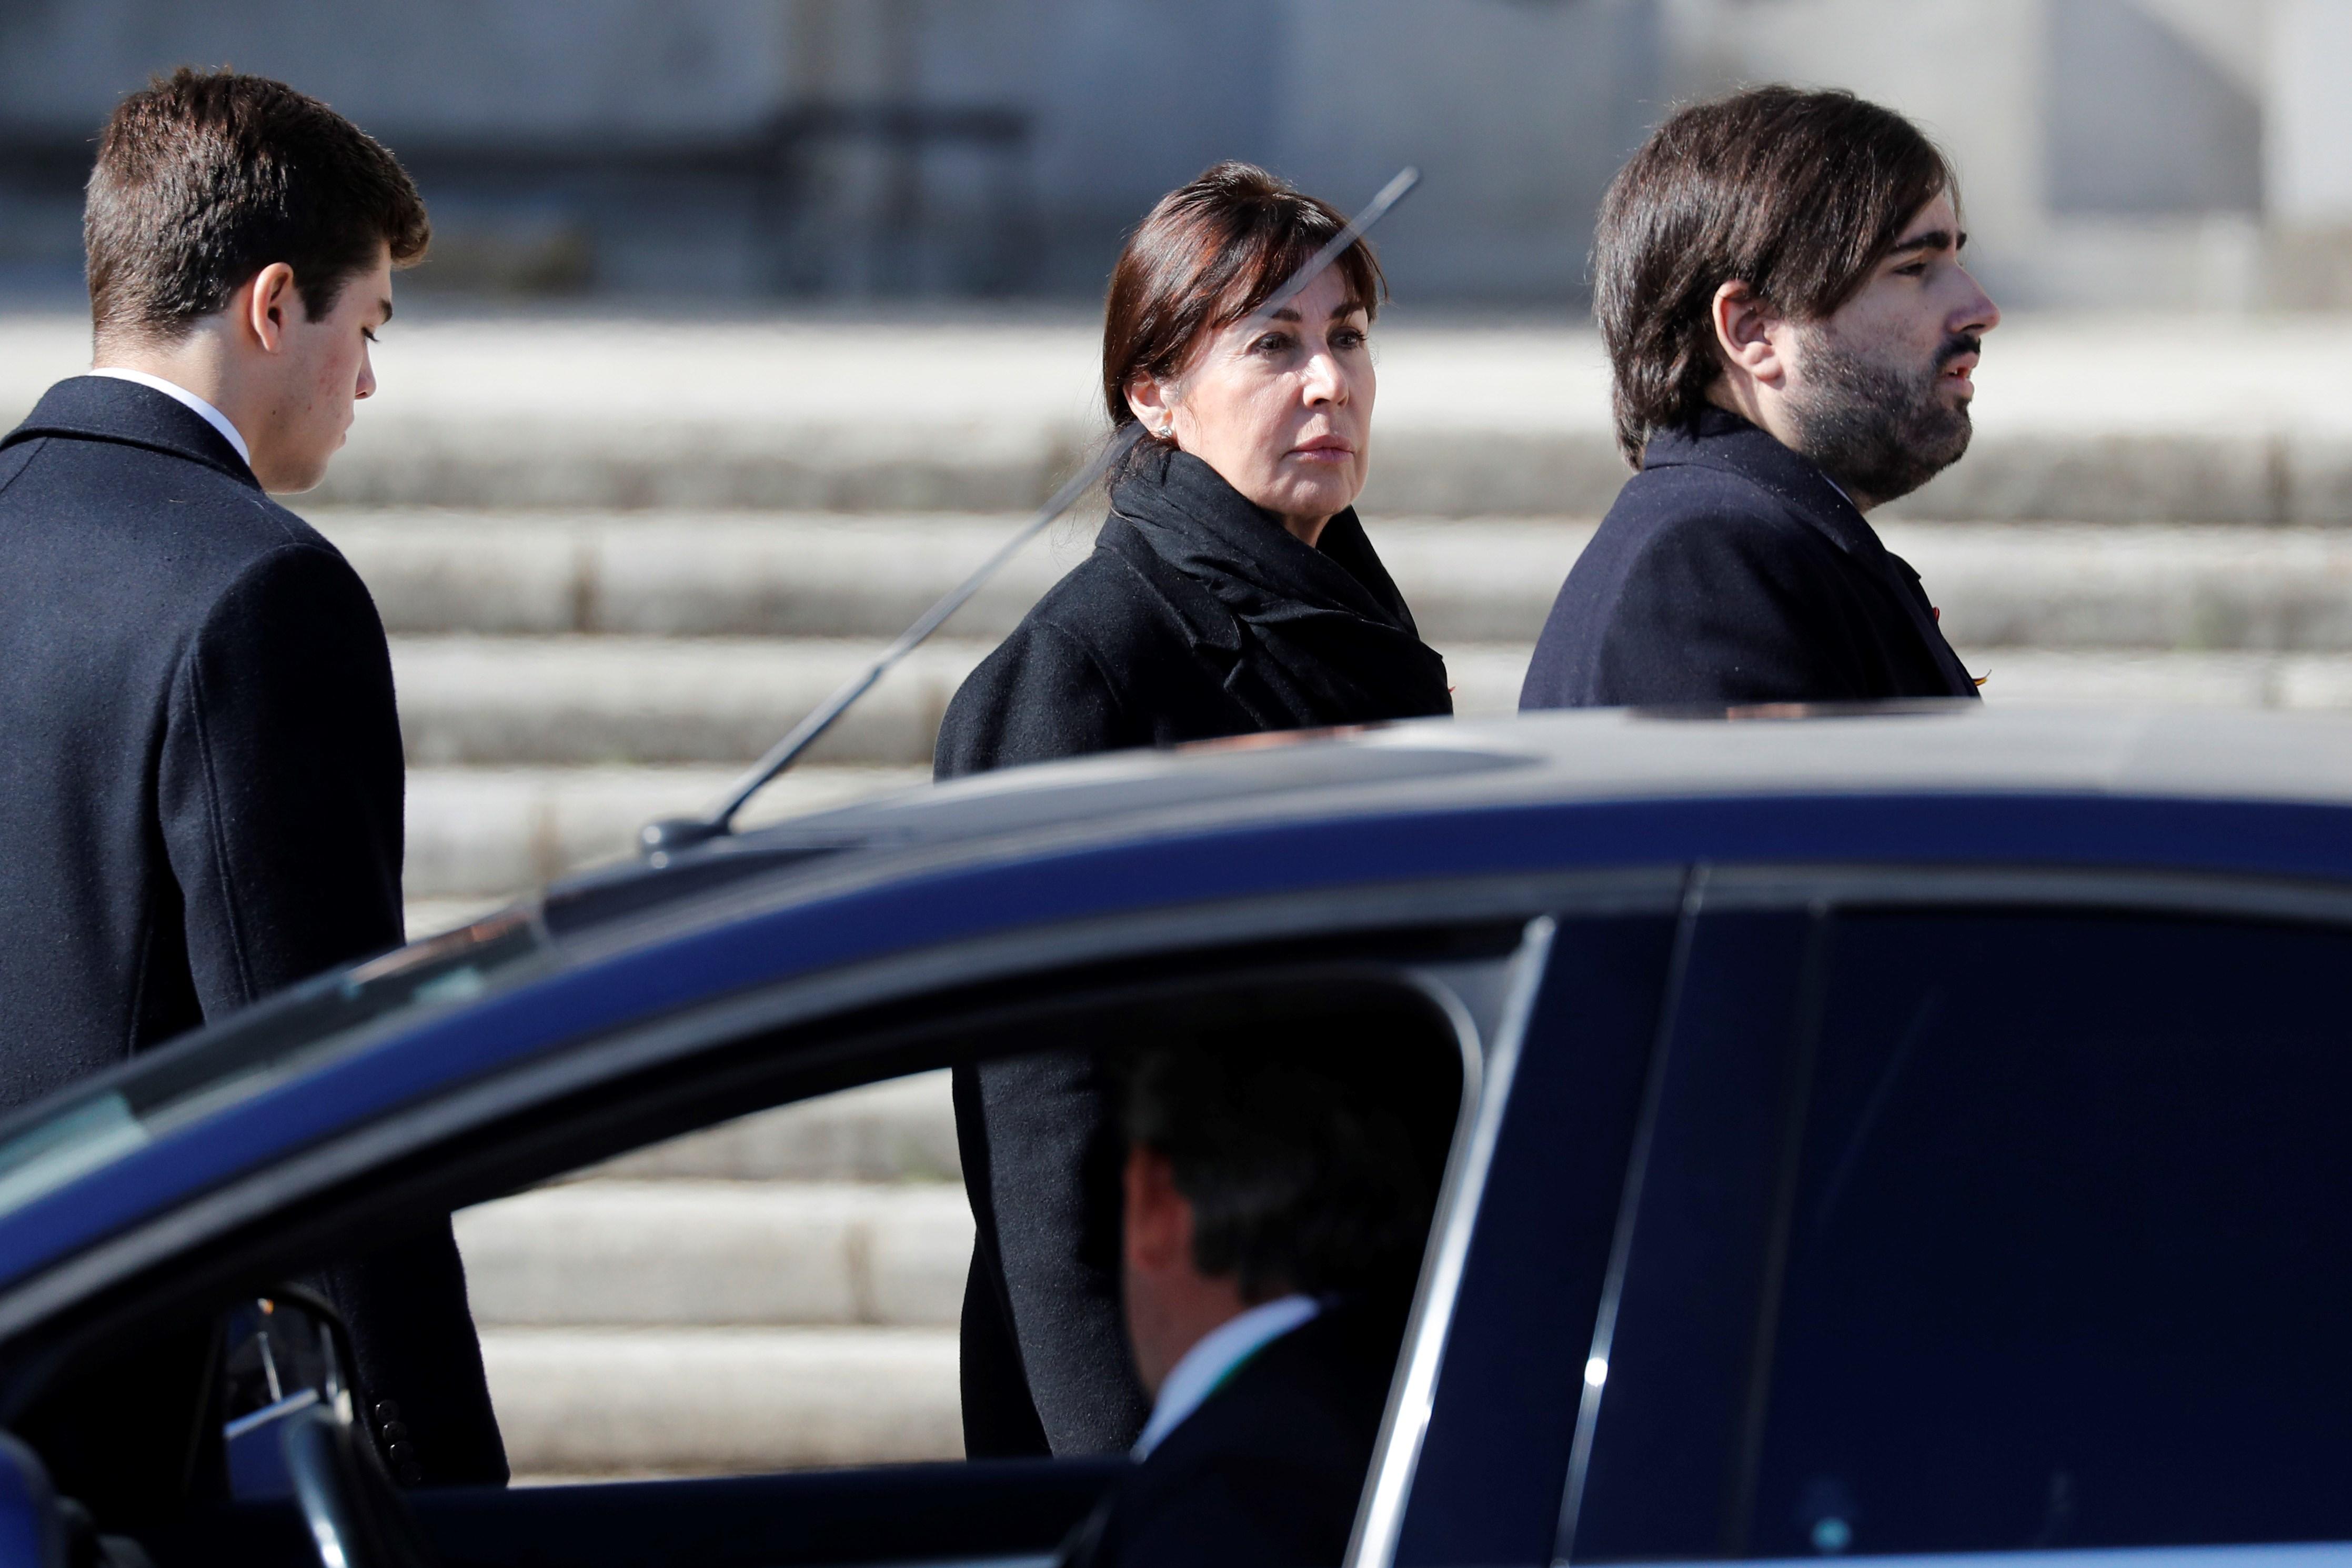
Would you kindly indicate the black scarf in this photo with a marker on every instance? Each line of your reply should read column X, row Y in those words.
column 1327, row 638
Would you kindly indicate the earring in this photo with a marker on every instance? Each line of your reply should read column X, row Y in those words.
column 1167, row 430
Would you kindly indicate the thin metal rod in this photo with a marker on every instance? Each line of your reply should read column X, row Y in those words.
column 1336, row 246
column 678, row 833
column 804, row 734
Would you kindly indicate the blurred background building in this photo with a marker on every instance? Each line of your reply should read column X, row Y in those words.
column 2174, row 151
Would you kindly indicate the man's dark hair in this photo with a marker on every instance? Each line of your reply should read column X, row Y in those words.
column 204, row 178
column 1299, row 1179
column 1797, row 195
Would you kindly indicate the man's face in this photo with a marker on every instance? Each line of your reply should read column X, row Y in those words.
column 1879, row 391
column 325, row 372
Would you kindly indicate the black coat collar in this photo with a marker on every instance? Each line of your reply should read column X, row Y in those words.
column 1319, row 636
column 103, row 408
column 1725, row 442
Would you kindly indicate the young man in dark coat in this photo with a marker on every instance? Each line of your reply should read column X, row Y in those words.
column 1275, row 1217
column 200, row 760
column 1791, row 330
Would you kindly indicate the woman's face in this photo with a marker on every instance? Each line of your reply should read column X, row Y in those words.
column 1281, row 406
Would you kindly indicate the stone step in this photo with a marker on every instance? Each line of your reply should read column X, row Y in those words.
column 579, row 1403
column 1474, row 580
column 2090, row 417
column 478, row 833
column 819, row 575
column 899, row 1130
column 2080, row 586
column 713, row 1254
column 476, row 701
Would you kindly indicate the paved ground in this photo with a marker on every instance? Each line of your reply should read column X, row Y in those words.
column 616, row 559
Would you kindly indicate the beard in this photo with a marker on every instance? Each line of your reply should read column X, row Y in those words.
column 1878, row 430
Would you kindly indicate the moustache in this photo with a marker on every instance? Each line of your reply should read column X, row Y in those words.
column 1953, row 347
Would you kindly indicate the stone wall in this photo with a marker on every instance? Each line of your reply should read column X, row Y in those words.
column 2143, row 153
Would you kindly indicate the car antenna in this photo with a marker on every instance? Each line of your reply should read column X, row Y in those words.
column 659, row 840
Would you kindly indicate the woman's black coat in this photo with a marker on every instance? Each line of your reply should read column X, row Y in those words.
column 1198, row 616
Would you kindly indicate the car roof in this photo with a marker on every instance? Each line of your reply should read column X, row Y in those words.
column 1590, row 756
column 1433, row 768
column 1636, row 753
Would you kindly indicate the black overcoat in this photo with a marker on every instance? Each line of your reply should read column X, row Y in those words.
column 200, row 774
column 1197, row 617
column 1731, row 570
column 1267, row 1473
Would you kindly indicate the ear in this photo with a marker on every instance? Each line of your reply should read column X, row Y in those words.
column 1151, row 401
column 1159, row 1220
column 271, row 305
column 1744, row 334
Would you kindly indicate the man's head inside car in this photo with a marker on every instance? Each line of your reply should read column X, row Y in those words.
column 1275, row 1212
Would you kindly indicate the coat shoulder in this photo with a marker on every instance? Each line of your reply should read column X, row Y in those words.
column 161, row 530
column 1664, row 509
column 1100, row 605
column 1268, row 1470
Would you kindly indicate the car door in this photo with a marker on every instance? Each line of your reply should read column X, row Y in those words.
column 1465, row 961
column 1979, row 1213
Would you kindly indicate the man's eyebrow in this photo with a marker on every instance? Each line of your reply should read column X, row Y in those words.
column 1930, row 239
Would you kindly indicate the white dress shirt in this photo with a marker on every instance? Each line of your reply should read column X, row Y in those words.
column 212, row 416
column 1204, row 1368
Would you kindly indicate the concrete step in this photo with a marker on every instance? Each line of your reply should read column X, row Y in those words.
column 1482, row 580
column 474, row 700
column 2084, row 586
column 776, row 1291
column 579, row 1403
column 478, row 833
column 606, row 699
column 818, row 576
column 899, row 1130
column 2087, row 419
column 712, row 1254
column 2219, row 679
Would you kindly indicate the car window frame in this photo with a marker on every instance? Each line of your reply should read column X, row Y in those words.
column 187, row 1252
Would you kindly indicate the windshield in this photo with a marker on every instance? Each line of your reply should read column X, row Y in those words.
column 94, row 1124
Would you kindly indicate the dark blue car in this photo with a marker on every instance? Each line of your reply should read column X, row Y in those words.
column 1909, row 1132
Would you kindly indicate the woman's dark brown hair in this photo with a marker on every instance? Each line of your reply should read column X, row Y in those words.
column 1209, row 253
column 204, row 178
column 1797, row 195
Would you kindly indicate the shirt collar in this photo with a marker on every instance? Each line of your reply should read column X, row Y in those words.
column 1204, row 1368
column 174, row 389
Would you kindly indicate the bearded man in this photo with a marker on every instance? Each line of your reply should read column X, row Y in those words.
column 1791, row 333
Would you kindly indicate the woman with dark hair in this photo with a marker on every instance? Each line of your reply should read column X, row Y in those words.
column 1232, row 590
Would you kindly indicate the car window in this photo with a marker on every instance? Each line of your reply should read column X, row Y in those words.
column 2067, row 1250
column 778, row 1292
column 782, row 1291
column 73, row 1134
